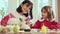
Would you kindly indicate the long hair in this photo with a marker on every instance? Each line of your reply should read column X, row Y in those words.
column 49, row 12
column 19, row 9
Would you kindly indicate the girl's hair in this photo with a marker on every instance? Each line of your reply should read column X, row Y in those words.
column 49, row 11
column 19, row 9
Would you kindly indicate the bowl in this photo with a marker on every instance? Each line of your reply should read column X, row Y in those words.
column 27, row 30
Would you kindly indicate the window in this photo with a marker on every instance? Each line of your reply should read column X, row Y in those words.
column 52, row 3
column 3, row 8
column 38, row 4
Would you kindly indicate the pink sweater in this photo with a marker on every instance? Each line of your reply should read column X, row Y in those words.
column 9, row 16
column 50, row 25
column 5, row 19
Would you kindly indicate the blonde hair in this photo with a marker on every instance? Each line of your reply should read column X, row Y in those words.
column 49, row 11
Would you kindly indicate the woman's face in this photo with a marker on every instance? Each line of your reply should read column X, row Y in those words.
column 44, row 14
column 26, row 8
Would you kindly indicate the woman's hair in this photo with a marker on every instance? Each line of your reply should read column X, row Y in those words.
column 49, row 11
column 19, row 9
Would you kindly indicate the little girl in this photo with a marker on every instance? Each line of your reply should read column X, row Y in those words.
column 47, row 19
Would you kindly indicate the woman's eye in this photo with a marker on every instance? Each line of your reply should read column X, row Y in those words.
column 29, row 8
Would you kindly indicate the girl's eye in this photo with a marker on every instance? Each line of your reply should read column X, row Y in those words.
column 44, row 12
column 29, row 8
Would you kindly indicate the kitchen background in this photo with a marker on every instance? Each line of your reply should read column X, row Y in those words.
column 7, row 6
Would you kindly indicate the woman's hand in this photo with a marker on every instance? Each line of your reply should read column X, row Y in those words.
column 28, row 21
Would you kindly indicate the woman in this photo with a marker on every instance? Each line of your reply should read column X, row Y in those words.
column 21, row 14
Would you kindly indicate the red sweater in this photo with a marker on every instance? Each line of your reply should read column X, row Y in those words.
column 49, row 25
column 5, row 19
column 9, row 16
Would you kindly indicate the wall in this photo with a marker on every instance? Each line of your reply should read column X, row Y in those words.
column 12, row 5
column 58, row 6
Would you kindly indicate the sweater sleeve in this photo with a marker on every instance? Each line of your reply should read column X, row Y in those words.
column 5, row 19
column 37, row 25
column 54, row 25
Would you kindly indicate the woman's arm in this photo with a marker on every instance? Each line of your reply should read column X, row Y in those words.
column 5, row 19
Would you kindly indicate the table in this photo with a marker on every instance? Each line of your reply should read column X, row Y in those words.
column 48, row 32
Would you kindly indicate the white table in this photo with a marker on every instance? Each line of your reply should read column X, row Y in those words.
column 48, row 32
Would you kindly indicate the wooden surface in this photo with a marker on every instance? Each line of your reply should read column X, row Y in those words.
column 48, row 32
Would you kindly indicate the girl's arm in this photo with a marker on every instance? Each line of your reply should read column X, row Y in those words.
column 37, row 25
column 54, row 25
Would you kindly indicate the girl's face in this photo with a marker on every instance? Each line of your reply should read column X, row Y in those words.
column 26, row 8
column 44, row 14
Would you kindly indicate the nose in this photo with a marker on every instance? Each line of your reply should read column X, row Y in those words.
column 43, row 14
column 27, row 9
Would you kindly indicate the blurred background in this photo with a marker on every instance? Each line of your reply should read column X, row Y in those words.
column 7, row 6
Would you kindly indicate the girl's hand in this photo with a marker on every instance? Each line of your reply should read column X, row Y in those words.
column 28, row 21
